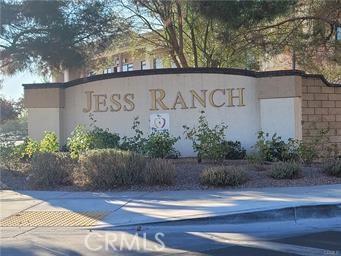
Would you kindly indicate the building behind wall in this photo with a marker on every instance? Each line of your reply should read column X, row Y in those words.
column 139, row 54
column 128, row 55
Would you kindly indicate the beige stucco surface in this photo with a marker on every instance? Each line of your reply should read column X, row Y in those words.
column 44, row 98
column 237, row 118
column 243, row 121
column 279, row 87
column 282, row 116
column 44, row 119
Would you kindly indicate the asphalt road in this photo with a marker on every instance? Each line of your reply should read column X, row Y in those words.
column 318, row 243
column 308, row 238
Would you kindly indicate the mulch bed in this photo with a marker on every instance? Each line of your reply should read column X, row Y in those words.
column 188, row 173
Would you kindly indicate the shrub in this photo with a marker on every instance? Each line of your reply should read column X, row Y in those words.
column 307, row 152
column 83, row 139
column 137, row 142
column 256, row 162
column 233, row 150
column 79, row 141
column 100, row 138
column 159, row 172
column 316, row 148
column 51, row 169
column 109, row 168
column 207, row 142
column 275, row 149
column 160, row 145
column 333, row 168
column 285, row 170
column 9, row 155
column 49, row 143
column 223, row 176
column 29, row 148
column 271, row 148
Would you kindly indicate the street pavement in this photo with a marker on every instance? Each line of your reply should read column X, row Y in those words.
column 307, row 238
column 147, row 223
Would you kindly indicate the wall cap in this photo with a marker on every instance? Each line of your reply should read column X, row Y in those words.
column 167, row 71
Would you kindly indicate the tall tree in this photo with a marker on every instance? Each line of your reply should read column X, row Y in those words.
column 192, row 37
column 306, row 30
column 54, row 35
column 10, row 109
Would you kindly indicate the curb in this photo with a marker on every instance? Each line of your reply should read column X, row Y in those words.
column 282, row 214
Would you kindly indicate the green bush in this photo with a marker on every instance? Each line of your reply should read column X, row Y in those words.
column 161, row 145
column 333, row 168
column 137, row 142
column 285, row 170
column 100, row 138
column 51, row 169
column 9, row 155
column 29, row 148
column 109, row 168
column 83, row 139
column 207, row 142
column 271, row 148
column 233, row 150
column 307, row 152
column 157, row 144
column 49, row 143
column 223, row 176
column 318, row 148
column 79, row 141
column 159, row 172
column 275, row 149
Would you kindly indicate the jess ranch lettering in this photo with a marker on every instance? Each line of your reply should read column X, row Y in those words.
column 159, row 100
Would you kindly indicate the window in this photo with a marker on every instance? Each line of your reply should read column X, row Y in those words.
column 91, row 73
column 128, row 67
column 143, row 65
column 157, row 63
column 338, row 34
column 107, row 70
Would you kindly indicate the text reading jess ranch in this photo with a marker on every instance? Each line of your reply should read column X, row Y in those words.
column 159, row 100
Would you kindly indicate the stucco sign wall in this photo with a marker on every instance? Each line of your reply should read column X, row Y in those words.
column 168, row 99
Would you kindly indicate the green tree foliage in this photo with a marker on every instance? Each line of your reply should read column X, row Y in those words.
column 304, row 29
column 10, row 109
column 237, row 14
column 53, row 34
column 193, row 37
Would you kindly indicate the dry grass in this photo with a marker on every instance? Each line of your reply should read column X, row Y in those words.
column 223, row 176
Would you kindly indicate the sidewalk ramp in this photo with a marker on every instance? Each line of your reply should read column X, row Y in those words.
column 53, row 219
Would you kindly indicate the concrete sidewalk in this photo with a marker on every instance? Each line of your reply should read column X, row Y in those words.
column 132, row 208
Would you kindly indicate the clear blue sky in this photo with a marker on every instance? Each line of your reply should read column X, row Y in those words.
column 12, row 85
